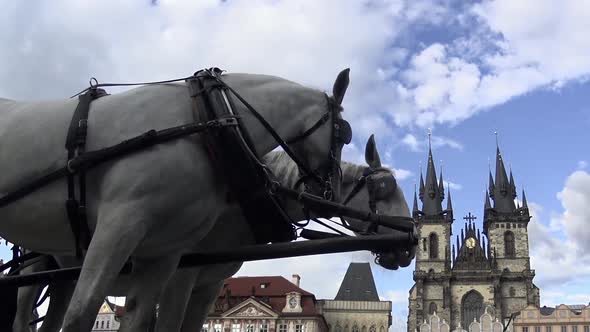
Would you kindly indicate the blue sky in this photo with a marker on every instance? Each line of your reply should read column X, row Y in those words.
column 464, row 69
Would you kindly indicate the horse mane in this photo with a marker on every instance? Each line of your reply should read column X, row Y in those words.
column 284, row 168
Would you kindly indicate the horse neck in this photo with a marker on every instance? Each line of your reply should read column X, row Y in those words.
column 287, row 106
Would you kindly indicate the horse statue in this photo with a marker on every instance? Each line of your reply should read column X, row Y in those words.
column 191, row 291
column 156, row 204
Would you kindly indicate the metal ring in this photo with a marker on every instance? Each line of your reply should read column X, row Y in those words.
column 92, row 81
column 69, row 167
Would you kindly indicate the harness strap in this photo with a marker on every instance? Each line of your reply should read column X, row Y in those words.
column 76, row 145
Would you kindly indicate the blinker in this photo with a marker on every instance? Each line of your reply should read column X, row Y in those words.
column 382, row 187
column 342, row 131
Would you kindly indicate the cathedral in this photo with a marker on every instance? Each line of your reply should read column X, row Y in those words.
column 459, row 277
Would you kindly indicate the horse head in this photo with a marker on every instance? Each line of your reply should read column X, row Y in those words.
column 375, row 187
column 321, row 127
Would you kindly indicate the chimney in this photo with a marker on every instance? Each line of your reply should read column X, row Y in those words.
column 295, row 279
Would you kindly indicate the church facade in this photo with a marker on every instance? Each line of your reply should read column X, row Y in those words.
column 458, row 276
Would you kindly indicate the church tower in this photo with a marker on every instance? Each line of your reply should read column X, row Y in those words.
column 433, row 256
column 506, row 227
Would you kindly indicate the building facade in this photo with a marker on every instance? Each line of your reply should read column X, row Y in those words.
column 563, row 318
column 356, row 307
column 108, row 318
column 265, row 304
column 488, row 268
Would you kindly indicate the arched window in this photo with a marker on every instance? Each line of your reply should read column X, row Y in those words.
column 433, row 253
column 338, row 328
column 471, row 307
column 432, row 308
column 373, row 328
column 355, row 328
column 509, row 244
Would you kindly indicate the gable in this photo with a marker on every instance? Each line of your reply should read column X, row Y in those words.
column 250, row 308
column 105, row 309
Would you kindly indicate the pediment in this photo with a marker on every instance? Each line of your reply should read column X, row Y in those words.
column 250, row 308
column 105, row 309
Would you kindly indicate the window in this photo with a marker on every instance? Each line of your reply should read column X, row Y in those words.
column 509, row 244
column 433, row 243
column 424, row 244
column 249, row 327
column 525, row 329
column 235, row 327
column 564, row 329
column 205, row 328
column 537, row 329
column 338, row 328
column 472, row 307
column 263, row 327
column 217, row 327
column 586, row 328
column 548, row 328
column 355, row 329
column 373, row 328
column 283, row 328
column 96, row 325
column 574, row 329
column 299, row 328
column 102, row 324
column 497, row 225
column 109, row 322
column 432, row 308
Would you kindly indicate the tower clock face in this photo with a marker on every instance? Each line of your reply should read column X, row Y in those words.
column 470, row 243
column 292, row 302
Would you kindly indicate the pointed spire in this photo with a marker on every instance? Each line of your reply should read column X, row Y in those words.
column 512, row 185
column 463, row 234
column 449, row 203
column 502, row 195
column 454, row 255
column 421, row 193
column 491, row 186
column 432, row 199
column 478, row 236
column 524, row 203
column 415, row 208
column 487, row 204
column 441, row 187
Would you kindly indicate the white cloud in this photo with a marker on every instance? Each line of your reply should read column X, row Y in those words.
column 582, row 164
column 402, row 174
column 419, row 145
column 453, row 185
column 497, row 57
column 560, row 249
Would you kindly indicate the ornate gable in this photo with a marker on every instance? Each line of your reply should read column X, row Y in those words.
column 250, row 308
column 105, row 309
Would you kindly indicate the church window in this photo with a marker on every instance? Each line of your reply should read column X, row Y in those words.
column 432, row 308
column 355, row 329
column 283, row 328
column 373, row 328
column 433, row 254
column 512, row 292
column 509, row 244
column 471, row 307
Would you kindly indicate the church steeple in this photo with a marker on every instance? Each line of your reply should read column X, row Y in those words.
column 415, row 211
column 432, row 198
column 441, row 187
column 502, row 192
column 487, row 204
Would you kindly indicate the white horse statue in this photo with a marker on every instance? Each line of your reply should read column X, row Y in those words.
column 191, row 291
column 151, row 206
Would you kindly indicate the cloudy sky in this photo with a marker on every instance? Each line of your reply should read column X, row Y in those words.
column 463, row 68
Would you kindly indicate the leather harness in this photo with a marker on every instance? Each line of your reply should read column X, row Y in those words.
column 213, row 110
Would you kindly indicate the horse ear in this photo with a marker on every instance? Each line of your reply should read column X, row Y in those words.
column 341, row 85
column 371, row 153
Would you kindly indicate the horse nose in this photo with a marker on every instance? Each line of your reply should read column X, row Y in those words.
column 387, row 260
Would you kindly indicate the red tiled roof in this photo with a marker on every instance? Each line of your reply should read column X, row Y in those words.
column 276, row 286
column 273, row 294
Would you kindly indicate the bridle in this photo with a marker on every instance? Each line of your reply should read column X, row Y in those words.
column 341, row 135
column 373, row 188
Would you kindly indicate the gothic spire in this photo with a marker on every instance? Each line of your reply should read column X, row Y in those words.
column 415, row 208
column 487, row 204
column 524, row 203
column 502, row 195
column 421, row 193
column 432, row 199
column 449, row 203
column 491, row 186
column 512, row 185
column 441, row 187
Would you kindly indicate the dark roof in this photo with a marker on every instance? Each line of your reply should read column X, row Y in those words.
column 358, row 284
column 546, row 311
